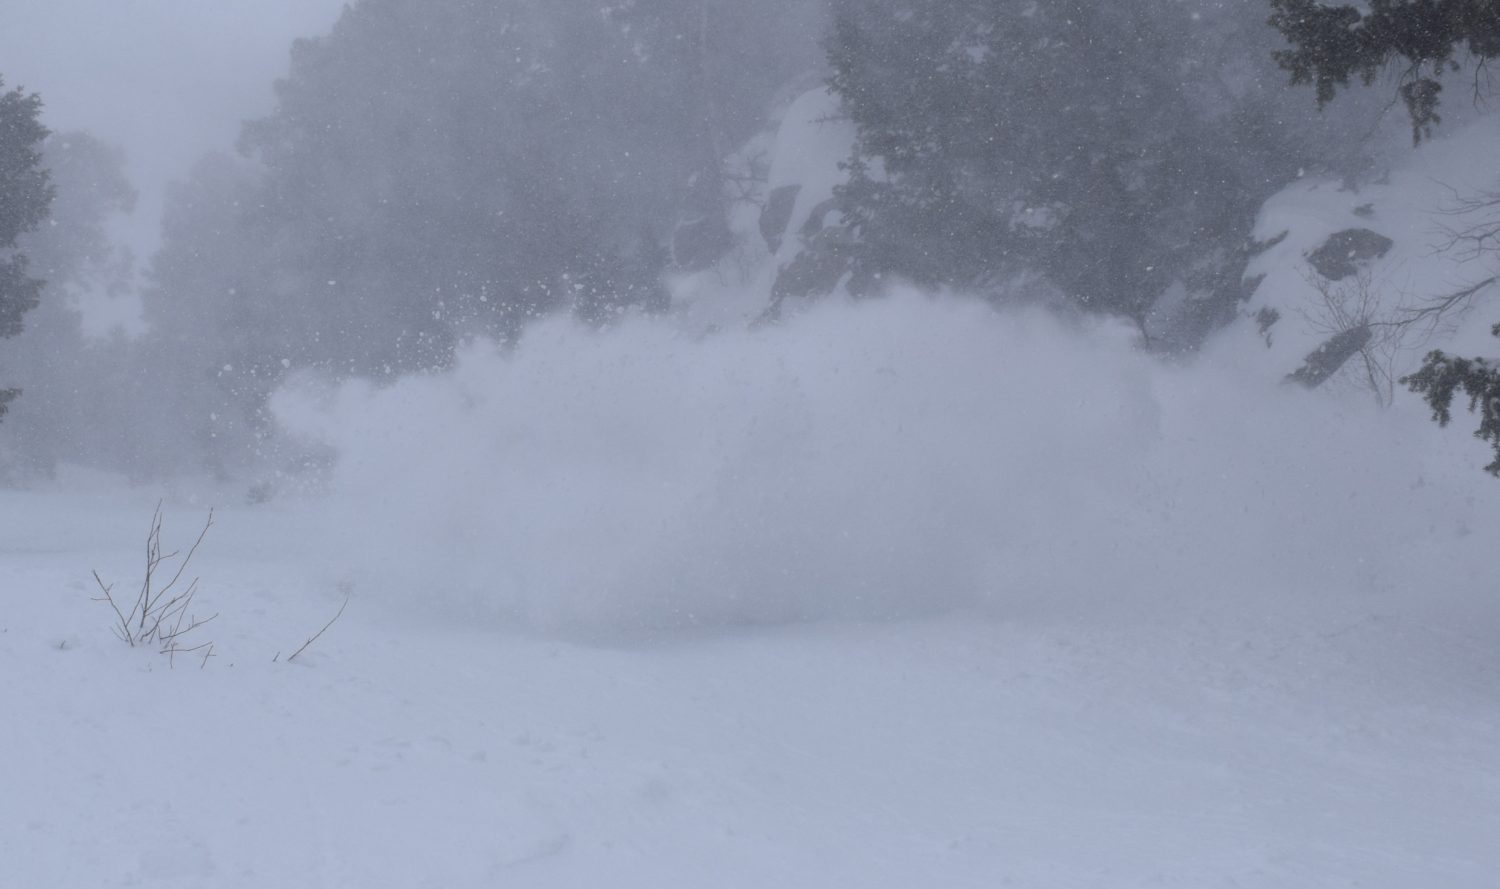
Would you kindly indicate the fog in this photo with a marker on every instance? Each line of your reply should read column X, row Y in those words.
column 869, row 461
column 799, row 442
column 612, row 308
column 165, row 80
column 611, row 265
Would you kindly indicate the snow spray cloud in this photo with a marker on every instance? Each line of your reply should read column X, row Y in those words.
column 889, row 458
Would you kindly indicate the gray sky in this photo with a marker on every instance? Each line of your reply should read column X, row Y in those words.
column 166, row 80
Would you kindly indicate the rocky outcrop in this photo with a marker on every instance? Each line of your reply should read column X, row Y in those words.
column 1326, row 360
column 776, row 216
column 1344, row 252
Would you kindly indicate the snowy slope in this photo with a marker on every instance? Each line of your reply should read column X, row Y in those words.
column 800, row 158
column 636, row 609
column 1418, row 205
column 1266, row 750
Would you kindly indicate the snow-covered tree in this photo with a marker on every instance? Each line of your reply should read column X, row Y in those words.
column 1426, row 39
column 25, row 196
column 1332, row 44
column 1120, row 150
column 53, row 360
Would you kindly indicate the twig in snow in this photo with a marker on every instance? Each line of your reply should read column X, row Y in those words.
column 320, row 632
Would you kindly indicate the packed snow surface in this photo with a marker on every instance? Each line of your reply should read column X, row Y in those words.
column 907, row 593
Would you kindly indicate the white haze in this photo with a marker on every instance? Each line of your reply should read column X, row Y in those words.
column 906, row 591
column 865, row 461
column 166, row 80
column 1199, row 629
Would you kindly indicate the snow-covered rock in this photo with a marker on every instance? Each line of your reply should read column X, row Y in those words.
column 1335, row 256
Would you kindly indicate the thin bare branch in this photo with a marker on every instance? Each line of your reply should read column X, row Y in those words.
column 123, row 631
column 182, row 566
column 1433, row 312
column 320, row 632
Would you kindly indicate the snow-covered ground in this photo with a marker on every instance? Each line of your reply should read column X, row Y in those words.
column 901, row 594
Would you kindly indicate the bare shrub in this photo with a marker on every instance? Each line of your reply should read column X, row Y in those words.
column 161, row 614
